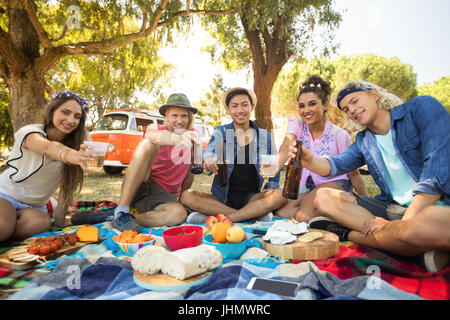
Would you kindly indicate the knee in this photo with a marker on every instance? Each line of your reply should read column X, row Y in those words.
column 276, row 196
column 42, row 222
column 144, row 148
column 329, row 200
column 322, row 200
column 187, row 197
column 178, row 216
column 7, row 227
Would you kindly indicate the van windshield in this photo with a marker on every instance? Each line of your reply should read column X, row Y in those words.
column 112, row 122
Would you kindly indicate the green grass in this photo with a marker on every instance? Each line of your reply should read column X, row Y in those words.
column 99, row 186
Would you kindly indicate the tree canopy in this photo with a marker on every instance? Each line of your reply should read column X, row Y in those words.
column 35, row 35
column 265, row 34
column 440, row 89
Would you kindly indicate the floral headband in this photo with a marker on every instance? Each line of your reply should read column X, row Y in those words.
column 69, row 94
column 311, row 85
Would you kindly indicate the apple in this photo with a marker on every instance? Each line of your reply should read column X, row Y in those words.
column 210, row 221
column 235, row 234
column 223, row 218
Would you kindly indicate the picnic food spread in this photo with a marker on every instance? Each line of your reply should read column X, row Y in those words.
column 87, row 234
column 130, row 236
column 180, row 264
column 40, row 247
column 313, row 245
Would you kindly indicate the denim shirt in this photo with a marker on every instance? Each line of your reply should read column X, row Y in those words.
column 225, row 134
column 420, row 132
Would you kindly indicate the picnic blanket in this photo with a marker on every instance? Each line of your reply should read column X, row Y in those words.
column 111, row 278
column 400, row 272
column 103, row 271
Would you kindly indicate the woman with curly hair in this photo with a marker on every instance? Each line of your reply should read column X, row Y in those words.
column 322, row 138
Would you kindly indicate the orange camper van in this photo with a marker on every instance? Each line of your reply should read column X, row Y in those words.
column 123, row 129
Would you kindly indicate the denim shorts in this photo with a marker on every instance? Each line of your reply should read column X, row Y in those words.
column 310, row 185
column 20, row 205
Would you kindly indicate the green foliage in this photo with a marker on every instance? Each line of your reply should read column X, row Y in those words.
column 212, row 103
column 111, row 81
column 439, row 89
column 306, row 25
column 389, row 73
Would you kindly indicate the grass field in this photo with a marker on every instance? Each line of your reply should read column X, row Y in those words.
column 99, row 186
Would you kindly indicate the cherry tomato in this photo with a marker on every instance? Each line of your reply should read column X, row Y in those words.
column 45, row 250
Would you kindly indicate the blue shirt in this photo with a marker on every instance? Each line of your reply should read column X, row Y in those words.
column 420, row 131
column 261, row 144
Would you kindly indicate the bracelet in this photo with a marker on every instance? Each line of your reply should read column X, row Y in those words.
column 62, row 153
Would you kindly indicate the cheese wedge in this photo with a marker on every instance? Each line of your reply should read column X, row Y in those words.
column 88, row 234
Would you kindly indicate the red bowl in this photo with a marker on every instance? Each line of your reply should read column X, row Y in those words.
column 183, row 237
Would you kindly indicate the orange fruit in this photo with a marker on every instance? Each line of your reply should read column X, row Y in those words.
column 219, row 231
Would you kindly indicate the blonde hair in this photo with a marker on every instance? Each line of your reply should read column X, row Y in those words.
column 387, row 100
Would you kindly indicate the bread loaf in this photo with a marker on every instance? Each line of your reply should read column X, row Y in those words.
column 148, row 259
column 185, row 263
column 180, row 264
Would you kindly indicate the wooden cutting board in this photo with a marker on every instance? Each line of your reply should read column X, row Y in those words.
column 64, row 250
column 322, row 248
column 163, row 282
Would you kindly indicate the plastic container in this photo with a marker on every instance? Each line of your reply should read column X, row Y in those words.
column 97, row 148
column 183, row 237
column 228, row 250
column 132, row 248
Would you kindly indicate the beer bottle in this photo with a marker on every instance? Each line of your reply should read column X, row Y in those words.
column 293, row 175
column 196, row 158
column 222, row 178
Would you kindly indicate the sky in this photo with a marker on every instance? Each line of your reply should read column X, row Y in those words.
column 415, row 31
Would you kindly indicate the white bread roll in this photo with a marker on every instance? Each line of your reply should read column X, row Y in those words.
column 148, row 259
column 185, row 263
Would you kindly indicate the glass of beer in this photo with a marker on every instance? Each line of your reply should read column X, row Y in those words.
column 98, row 150
column 269, row 166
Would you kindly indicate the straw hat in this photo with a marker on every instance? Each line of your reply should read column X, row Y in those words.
column 250, row 93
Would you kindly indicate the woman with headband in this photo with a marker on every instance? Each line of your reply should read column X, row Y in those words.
column 44, row 157
column 406, row 148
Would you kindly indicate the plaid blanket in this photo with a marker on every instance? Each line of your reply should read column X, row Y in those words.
column 400, row 272
column 105, row 273
column 111, row 278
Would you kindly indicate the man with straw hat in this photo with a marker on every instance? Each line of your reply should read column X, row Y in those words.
column 159, row 170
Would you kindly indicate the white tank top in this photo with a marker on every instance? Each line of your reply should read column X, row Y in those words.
column 30, row 177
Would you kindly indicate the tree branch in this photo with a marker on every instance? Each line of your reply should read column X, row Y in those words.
column 47, row 59
column 258, row 61
column 43, row 36
column 197, row 12
column 14, row 58
column 63, row 34
column 157, row 17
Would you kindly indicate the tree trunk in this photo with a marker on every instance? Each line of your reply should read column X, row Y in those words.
column 25, row 82
column 27, row 98
column 262, row 86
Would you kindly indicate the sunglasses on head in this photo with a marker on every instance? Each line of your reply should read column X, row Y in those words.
column 70, row 94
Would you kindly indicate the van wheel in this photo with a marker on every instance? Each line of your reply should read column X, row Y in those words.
column 113, row 170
